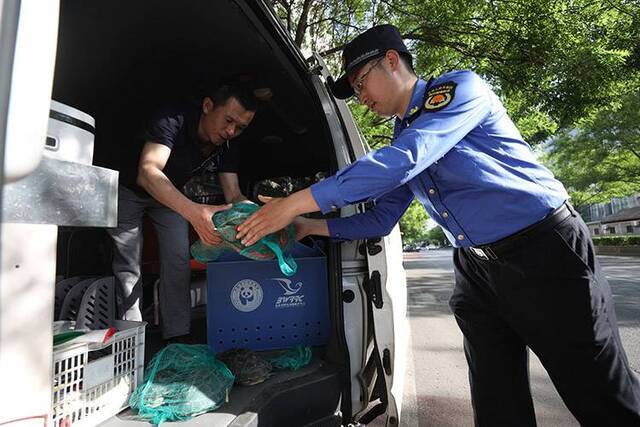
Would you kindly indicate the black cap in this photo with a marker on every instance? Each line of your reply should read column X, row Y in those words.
column 373, row 43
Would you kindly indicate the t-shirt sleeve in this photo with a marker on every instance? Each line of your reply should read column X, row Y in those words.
column 163, row 128
column 230, row 158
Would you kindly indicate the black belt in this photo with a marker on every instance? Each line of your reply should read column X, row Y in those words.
column 500, row 248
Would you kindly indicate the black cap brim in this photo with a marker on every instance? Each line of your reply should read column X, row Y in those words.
column 341, row 88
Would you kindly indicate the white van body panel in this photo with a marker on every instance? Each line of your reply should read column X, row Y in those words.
column 31, row 85
column 26, row 315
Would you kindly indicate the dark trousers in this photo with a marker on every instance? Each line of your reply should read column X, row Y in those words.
column 173, row 244
column 548, row 294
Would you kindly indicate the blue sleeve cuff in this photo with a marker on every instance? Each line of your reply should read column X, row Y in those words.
column 336, row 229
column 325, row 193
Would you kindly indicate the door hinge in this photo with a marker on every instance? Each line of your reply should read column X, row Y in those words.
column 373, row 286
column 386, row 361
column 372, row 247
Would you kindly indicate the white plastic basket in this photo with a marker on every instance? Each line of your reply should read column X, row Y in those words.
column 92, row 384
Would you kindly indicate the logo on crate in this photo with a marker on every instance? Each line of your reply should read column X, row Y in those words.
column 292, row 296
column 246, row 295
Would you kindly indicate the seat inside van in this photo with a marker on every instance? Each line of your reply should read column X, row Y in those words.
column 118, row 60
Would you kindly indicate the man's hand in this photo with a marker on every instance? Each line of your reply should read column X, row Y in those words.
column 302, row 227
column 276, row 214
column 200, row 218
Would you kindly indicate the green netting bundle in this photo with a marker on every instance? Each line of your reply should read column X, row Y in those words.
column 182, row 381
column 277, row 244
column 293, row 358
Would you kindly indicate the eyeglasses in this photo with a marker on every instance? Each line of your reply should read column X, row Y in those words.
column 359, row 83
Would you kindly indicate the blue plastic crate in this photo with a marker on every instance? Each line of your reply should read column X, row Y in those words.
column 251, row 304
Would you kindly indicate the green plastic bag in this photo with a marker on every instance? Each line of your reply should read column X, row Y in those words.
column 182, row 381
column 274, row 245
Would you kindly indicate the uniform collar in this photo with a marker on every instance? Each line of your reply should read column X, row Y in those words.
column 416, row 99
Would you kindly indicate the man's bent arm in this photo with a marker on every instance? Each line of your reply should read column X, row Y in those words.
column 376, row 222
column 153, row 159
column 231, row 187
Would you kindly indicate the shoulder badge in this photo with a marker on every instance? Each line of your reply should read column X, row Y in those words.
column 439, row 96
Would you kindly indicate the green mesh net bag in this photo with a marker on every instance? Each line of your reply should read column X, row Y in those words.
column 293, row 358
column 182, row 381
column 274, row 245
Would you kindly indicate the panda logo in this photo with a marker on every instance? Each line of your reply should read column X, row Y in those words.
column 246, row 295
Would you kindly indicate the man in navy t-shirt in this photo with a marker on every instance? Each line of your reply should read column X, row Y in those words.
column 178, row 142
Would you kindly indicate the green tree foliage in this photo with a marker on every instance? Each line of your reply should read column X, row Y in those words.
column 436, row 237
column 600, row 158
column 412, row 223
column 552, row 61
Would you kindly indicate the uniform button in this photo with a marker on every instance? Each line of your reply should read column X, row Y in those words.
column 337, row 234
column 460, row 237
column 334, row 207
column 445, row 214
column 432, row 191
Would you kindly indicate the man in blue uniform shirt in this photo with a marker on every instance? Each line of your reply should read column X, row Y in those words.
column 525, row 267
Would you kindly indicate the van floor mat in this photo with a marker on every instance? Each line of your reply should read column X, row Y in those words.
column 286, row 398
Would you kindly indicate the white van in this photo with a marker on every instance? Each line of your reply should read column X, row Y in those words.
column 109, row 59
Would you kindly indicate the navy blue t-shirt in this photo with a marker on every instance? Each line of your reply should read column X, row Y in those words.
column 176, row 126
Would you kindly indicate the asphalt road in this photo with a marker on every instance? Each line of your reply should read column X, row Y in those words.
column 436, row 387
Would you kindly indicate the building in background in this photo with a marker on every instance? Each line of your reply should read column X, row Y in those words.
column 619, row 217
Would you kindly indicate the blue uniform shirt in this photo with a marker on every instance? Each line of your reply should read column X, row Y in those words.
column 464, row 160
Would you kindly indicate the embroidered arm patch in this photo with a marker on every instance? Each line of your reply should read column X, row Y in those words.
column 439, row 96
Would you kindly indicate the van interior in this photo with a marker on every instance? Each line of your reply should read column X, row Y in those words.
column 119, row 60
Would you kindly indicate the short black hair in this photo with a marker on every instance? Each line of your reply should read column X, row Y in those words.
column 243, row 95
column 407, row 60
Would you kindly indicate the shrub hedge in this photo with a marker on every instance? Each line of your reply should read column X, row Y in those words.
column 617, row 241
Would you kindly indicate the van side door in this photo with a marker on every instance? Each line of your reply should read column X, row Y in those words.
column 386, row 335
